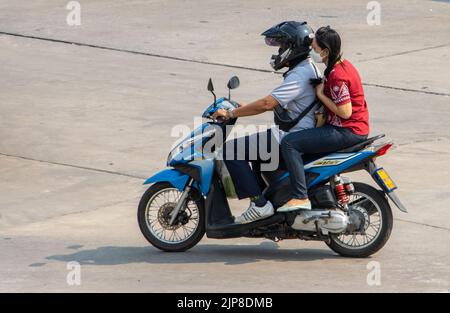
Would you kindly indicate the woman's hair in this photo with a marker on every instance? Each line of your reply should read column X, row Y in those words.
column 328, row 38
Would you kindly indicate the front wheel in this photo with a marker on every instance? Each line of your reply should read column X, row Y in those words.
column 373, row 209
column 154, row 212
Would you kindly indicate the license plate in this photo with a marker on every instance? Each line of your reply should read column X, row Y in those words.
column 385, row 179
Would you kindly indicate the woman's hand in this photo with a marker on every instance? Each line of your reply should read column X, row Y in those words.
column 319, row 89
column 220, row 113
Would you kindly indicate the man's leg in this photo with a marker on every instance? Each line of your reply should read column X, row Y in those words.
column 237, row 155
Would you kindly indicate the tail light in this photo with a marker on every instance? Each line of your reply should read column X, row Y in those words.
column 384, row 149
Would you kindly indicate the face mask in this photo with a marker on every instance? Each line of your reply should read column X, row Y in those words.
column 316, row 56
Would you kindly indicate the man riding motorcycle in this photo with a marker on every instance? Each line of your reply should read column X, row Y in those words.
column 295, row 94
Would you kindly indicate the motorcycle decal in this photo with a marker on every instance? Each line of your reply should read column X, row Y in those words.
column 325, row 162
column 332, row 160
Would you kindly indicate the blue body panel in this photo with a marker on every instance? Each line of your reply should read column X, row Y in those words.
column 179, row 180
column 325, row 172
column 193, row 155
column 193, row 150
column 346, row 160
column 176, row 178
column 206, row 168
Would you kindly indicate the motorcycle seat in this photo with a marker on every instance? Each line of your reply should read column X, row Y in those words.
column 361, row 145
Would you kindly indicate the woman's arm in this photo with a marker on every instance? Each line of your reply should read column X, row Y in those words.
column 343, row 111
column 254, row 108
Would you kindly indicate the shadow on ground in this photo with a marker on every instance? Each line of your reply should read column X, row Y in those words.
column 208, row 253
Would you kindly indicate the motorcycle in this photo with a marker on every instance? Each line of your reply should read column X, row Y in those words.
column 189, row 198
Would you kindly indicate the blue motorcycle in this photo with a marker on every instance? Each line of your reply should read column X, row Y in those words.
column 189, row 199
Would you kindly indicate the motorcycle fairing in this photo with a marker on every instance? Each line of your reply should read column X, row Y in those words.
column 206, row 169
column 172, row 176
column 179, row 179
column 333, row 164
column 191, row 147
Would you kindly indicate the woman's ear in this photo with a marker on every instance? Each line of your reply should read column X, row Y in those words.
column 325, row 53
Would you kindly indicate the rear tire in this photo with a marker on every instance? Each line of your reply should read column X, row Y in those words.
column 385, row 229
column 144, row 225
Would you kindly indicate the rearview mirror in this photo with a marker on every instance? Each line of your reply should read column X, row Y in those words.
column 211, row 89
column 210, row 85
column 233, row 83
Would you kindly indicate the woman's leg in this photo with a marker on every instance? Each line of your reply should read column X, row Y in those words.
column 316, row 140
column 294, row 162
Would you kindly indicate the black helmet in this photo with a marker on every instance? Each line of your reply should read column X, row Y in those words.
column 293, row 38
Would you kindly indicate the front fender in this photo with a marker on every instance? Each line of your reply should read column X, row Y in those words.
column 173, row 176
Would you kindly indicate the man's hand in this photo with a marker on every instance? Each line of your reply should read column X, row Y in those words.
column 221, row 113
column 259, row 106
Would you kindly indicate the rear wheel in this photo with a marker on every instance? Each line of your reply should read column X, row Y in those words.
column 374, row 211
column 154, row 213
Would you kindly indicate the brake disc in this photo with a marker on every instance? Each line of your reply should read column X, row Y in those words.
column 164, row 216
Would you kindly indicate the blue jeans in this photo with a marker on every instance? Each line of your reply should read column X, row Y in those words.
column 323, row 139
column 247, row 179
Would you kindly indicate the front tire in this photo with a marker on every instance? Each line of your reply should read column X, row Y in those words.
column 154, row 209
column 375, row 207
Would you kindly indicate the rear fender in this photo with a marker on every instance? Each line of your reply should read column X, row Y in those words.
column 371, row 168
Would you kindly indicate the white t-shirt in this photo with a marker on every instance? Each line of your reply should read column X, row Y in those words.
column 296, row 93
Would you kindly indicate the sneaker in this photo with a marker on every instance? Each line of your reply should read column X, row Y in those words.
column 295, row 204
column 254, row 213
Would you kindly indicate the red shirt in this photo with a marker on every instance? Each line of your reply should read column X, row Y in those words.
column 343, row 86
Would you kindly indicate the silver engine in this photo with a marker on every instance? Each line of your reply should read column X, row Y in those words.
column 332, row 221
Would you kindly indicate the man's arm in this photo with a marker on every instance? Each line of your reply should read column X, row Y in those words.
column 254, row 108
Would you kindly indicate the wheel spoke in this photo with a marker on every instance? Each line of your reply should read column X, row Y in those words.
column 157, row 215
column 365, row 206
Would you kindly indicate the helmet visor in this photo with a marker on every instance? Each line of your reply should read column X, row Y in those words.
column 270, row 41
